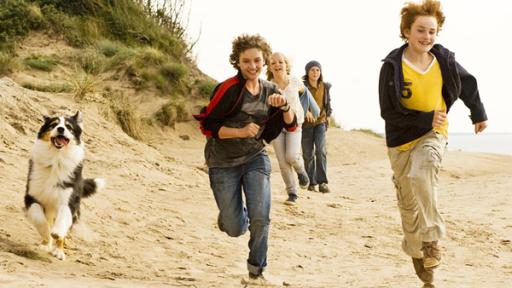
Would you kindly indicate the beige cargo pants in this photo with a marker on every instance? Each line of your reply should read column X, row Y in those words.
column 416, row 175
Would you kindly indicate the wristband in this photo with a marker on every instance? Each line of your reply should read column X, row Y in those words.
column 285, row 108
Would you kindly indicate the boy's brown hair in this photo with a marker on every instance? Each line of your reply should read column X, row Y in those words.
column 245, row 42
column 411, row 11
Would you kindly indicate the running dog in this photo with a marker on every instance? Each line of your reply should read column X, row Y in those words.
column 55, row 185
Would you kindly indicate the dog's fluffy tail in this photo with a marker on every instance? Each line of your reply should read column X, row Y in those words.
column 91, row 186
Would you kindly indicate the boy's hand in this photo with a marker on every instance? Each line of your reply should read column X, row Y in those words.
column 480, row 126
column 310, row 117
column 249, row 130
column 276, row 100
column 439, row 118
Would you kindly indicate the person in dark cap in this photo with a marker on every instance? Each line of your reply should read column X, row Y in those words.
column 313, row 130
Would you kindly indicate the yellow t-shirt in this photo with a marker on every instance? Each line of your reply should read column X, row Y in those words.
column 423, row 92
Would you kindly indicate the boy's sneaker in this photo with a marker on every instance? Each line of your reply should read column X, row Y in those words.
column 303, row 180
column 323, row 188
column 431, row 255
column 255, row 276
column 425, row 275
column 311, row 188
column 292, row 200
column 254, row 280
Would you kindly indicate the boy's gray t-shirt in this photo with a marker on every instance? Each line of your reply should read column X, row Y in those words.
column 236, row 151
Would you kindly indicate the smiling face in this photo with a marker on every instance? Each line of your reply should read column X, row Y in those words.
column 422, row 34
column 251, row 63
column 60, row 131
column 278, row 65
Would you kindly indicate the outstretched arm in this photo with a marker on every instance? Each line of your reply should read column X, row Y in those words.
column 471, row 98
column 277, row 100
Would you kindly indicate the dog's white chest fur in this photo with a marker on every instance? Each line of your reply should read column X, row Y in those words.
column 51, row 168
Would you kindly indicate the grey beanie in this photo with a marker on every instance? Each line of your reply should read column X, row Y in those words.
column 312, row 64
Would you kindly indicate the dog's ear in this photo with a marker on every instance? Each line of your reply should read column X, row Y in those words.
column 78, row 118
column 46, row 118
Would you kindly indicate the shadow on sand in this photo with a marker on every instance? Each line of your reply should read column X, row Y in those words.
column 21, row 250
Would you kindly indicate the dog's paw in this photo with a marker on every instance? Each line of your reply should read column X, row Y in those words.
column 59, row 254
column 46, row 247
column 100, row 184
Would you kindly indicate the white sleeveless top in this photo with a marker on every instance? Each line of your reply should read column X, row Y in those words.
column 291, row 93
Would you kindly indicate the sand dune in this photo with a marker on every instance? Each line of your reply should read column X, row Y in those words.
column 155, row 225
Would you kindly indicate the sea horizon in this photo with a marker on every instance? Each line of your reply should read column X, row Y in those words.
column 497, row 143
column 493, row 142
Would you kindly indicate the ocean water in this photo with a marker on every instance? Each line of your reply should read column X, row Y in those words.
column 499, row 143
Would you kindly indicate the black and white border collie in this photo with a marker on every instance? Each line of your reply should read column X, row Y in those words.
column 55, row 185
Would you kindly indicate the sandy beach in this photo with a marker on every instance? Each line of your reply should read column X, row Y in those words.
column 155, row 224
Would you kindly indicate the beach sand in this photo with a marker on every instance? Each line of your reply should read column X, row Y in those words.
column 155, row 223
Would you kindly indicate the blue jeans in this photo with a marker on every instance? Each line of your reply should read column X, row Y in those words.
column 315, row 153
column 227, row 184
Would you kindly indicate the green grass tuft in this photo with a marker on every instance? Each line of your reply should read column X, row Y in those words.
column 43, row 63
column 17, row 18
column 109, row 48
column 53, row 87
column 173, row 72
column 150, row 56
column 83, row 86
column 123, row 57
column 172, row 112
column 7, row 63
column 206, row 87
column 92, row 61
column 167, row 115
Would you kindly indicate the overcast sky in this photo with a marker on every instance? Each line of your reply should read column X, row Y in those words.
column 349, row 39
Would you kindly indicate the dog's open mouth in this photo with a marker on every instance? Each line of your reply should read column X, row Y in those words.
column 60, row 141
